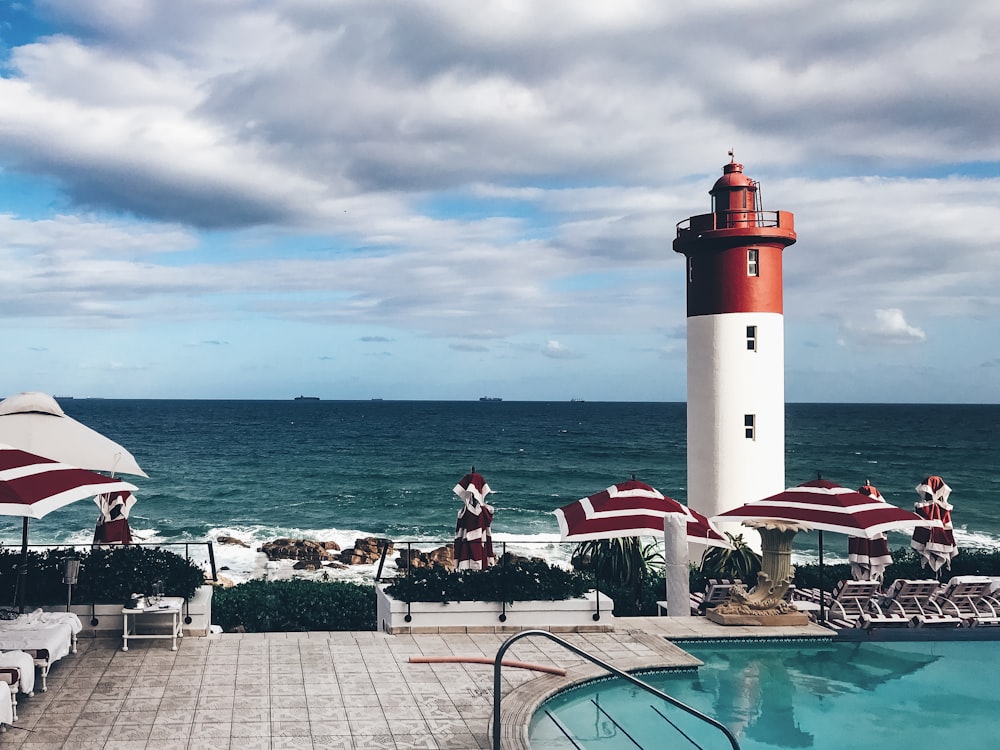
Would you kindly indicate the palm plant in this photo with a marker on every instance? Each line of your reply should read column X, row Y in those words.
column 620, row 564
column 739, row 562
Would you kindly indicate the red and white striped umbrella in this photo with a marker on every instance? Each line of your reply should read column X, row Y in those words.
column 869, row 557
column 32, row 486
column 473, row 538
column 936, row 545
column 825, row 506
column 630, row 508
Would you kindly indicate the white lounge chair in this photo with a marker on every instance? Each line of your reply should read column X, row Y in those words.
column 47, row 636
column 17, row 669
column 848, row 602
column 716, row 592
column 910, row 603
column 968, row 597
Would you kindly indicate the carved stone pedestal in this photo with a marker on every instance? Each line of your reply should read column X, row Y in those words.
column 763, row 619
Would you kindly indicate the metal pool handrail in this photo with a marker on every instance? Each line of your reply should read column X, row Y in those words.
column 498, row 664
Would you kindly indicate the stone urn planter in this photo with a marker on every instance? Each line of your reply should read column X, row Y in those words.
column 569, row 615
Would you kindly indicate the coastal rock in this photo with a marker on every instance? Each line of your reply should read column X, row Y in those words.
column 299, row 549
column 231, row 540
column 367, row 550
column 414, row 558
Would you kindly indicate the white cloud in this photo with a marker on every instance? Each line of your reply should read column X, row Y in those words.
column 413, row 168
column 888, row 326
column 555, row 350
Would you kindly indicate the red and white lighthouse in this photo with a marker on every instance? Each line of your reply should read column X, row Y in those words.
column 735, row 346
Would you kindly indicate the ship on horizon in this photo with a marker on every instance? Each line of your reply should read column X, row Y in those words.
column 306, row 398
column 490, row 398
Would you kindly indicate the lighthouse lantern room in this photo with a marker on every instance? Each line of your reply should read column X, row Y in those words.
column 735, row 346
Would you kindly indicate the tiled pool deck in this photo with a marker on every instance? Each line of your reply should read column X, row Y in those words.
column 316, row 690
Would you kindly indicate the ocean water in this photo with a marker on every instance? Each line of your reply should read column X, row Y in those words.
column 336, row 470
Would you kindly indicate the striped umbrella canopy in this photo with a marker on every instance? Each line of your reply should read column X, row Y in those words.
column 869, row 557
column 824, row 506
column 473, row 538
column 32, row 486
column 630, row 508
column 936, row 545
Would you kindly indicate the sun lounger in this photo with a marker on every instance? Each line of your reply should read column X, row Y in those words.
column 47, row 636
column 17, row 669
column 968, row 597
column 910, row 603
column 716, row 592
column 9, row 676
column 848, row 602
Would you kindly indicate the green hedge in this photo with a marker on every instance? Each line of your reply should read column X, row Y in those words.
column 108, row 575
column 513, row 580
column 294, row 605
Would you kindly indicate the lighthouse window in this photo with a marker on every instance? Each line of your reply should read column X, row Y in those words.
column 751, row 338
column 750, row 426
column 753, row 264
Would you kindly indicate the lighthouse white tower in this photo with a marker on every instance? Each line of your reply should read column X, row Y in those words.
column 735, row 346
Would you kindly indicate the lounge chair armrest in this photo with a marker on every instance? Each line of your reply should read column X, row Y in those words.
column 10, row 675
column 837, row 610
column 947, row 606
column 895, row 606
column 989, row 603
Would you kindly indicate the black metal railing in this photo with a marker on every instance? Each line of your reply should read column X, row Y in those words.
column 502, row 560
column 497, row 685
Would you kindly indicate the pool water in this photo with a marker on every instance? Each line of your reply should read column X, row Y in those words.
column 825, row 696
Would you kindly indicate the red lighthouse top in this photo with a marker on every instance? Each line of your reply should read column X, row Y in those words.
column 736, row 217
column 734, row 253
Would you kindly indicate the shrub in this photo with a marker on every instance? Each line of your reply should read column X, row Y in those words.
column 739, row 562
column 511, row 580
column 107, row 575
column 294, row 605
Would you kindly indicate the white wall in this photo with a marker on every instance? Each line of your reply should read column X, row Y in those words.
column 725, row 381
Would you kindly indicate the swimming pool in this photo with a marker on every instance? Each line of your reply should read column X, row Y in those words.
column 823, row 696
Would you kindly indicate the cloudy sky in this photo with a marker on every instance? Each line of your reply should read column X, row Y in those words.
column 449, row 199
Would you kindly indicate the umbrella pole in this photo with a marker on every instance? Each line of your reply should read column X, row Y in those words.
column 822, row 596
column 597, row 580
column 22, row 569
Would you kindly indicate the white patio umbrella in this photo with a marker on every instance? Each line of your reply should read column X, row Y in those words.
column 34, row 422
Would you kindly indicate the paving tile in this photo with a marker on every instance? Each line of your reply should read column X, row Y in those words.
column 211, row 730
column 422, row 741
column 334, row 742
column 335, row 727
column 251, row 729
column 291, row 743
column 290, row 729
column 169, row 731
column 368, row 725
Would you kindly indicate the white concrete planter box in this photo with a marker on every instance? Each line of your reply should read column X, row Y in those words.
column 109, row 616
column 568, row 615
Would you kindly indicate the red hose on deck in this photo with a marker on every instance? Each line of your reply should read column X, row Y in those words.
column 485, row 660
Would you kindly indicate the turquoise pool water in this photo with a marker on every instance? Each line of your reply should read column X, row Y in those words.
column 824, row 696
